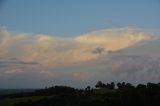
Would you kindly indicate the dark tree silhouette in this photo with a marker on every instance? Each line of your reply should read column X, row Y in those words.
column 125, row 95
column 100, row 85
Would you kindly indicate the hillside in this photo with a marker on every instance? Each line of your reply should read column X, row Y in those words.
column 14, row 91
column 124, row 94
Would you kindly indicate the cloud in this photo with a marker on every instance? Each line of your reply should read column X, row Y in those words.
column 132, row 68
column 82, row 58
column 13, row 71
column 16, row 62
column 52, row 51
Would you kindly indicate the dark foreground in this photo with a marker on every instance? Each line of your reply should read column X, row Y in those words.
column 124, row 94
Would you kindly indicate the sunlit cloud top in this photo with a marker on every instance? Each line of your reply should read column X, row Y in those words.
column 83, row 58
column 53, row 51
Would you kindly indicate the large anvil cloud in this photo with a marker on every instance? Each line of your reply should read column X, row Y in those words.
column 73, row 59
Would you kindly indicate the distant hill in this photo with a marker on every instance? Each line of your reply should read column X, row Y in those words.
column 14, row 91
column 125, row 94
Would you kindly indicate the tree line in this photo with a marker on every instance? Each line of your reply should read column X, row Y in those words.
column 104, row 94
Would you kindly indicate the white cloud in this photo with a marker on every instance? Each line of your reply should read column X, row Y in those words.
column 13, row 71
column 73, row 58
column 50, row 51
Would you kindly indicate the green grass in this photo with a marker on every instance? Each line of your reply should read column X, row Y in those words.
column 12, row 101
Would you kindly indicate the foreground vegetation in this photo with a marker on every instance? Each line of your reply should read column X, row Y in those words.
column 121, row 94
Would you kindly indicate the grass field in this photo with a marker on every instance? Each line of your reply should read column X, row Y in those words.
column 12, row 101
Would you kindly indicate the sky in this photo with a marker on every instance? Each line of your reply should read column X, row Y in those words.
column 77, row 43
column 75, row 17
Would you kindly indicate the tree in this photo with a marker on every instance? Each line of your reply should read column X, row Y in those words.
column 119, row 85
column 100, row 85
column 88, row 88
column 129, row 86
column 112, row 85
column 141, row 86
